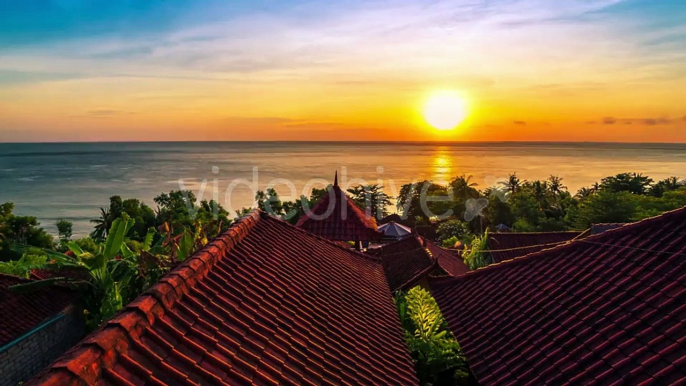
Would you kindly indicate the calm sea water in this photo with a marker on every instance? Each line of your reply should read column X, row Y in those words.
column 72, row 180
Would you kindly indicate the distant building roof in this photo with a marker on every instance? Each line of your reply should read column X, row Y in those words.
column 395, row 230
column 509, row 245
column 42, row 274
column 609, row 309
column 391, row 217
column 408, row 261
column 340, row 220
column 599, row 228
column 264, row 303
column 21, row 313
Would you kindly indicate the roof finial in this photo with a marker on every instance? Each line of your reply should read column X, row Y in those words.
column 335, row 179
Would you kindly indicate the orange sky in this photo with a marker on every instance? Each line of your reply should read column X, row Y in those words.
column 586, row 71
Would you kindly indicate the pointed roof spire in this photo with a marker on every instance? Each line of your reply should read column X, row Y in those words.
column 335, row 179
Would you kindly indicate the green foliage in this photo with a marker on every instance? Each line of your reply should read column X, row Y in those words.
column 290, row 211
column 435, row 351
column 606, row 207
column 112, row 274
column 64, row 230
column 450, row 242
column 20, row 231
column 454, row 228
column 498, row 210
column 143, row 216
column 87, row 244
column 438, row 201
column 477, row 256
column 30, row 260
column 372, row 199
column 634, row 183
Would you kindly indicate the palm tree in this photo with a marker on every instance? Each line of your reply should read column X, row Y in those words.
column 464, row 188
column 103, row 224
column 638, row 184
column 672, row 183
column 585, row 193
column 555, row 184
column 513, row 183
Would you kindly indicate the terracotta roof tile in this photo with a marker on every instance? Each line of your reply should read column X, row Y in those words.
column 609, row 309
column 336, row 217
column 23, row 312
column 510, row 245
column 409, row 260
column 265, row 303
column 449, row 260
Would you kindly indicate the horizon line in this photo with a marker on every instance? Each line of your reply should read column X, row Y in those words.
column 349, row 141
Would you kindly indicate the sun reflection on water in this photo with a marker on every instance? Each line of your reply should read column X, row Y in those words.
column 442, row 165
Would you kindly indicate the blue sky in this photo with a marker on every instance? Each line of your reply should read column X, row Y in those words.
column 518, row 60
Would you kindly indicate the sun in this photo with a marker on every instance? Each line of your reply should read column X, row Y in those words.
column 445, row 110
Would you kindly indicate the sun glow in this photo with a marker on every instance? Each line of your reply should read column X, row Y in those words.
column 445, row 110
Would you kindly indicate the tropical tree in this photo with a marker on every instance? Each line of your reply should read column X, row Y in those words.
column 270, row 202
column 606, row 207
column 513, row 183
column 20, row 231
column 584, row 193
column 64, row 230
column 371, row 198
column 634, row 183
column 110, row 274
column 105, row 283
column 436, row 199
column 102, row 224
column 464, row 188
column 555, row 185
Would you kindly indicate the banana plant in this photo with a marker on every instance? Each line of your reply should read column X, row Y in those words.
column 105, row 276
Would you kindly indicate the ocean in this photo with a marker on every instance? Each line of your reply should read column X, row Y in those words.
column 72, row 180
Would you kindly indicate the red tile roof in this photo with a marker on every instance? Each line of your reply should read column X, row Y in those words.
column 449, row 261
column 609, row 309
column 337, row 217
column 509, row 245
column 599, row 228
column 21, row 313
column 265, row 303
column 408, row 261
column 42, row 274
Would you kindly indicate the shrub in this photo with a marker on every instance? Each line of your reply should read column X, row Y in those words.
column 435, row 351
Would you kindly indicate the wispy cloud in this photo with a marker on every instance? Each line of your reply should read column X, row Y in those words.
column 642, row 121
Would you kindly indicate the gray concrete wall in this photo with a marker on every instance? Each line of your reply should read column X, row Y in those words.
column 25, row 358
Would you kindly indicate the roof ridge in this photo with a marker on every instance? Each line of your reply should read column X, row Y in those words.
column 14, row 277
column 320, row 238
column 571, row 243
column 533, row 233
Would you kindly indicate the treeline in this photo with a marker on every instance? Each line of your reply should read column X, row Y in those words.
column 462, row 210
column 176, row 212
column 129, row 249
column 544, row 206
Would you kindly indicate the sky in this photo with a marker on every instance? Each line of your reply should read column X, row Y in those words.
column 309, row 70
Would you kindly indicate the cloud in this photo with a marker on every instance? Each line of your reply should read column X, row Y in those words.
column 521, row 123
column 638, row 121
column 656, row 121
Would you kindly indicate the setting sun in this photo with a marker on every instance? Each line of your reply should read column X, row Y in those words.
column 445, row 110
